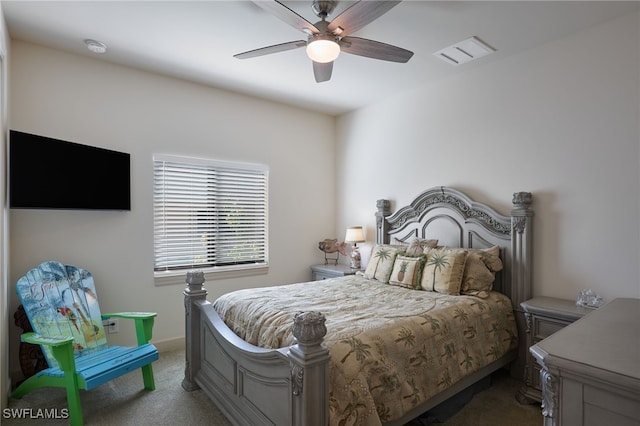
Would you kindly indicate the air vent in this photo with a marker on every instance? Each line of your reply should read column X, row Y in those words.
column 464, row 51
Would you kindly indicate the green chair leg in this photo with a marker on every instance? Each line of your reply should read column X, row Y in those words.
column 73, row 401
column 66, row 362
column 147, row 376
column 27, row 386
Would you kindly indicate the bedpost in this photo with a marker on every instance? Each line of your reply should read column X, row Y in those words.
column 382, row 226
column 521, row 270
column 194, row 293
column 521, row 245
column 309, row 360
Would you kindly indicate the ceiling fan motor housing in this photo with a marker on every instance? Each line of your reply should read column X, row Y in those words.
column 323, row 8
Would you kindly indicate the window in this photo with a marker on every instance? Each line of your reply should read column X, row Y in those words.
column 208, row 215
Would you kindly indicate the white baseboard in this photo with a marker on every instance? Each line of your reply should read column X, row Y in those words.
column 170, row 344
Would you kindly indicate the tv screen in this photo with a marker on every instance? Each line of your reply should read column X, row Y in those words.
column 47, row 173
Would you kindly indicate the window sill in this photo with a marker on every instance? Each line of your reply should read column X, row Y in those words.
column 211, row 274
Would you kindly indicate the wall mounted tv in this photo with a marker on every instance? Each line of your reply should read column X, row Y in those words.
column 47, row 173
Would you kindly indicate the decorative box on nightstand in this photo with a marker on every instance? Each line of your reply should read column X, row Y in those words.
column 544, row 316
column 322, row 272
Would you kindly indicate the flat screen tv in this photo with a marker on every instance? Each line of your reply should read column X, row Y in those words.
column 47, row 173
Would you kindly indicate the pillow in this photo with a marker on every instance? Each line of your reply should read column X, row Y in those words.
column 406, row 271
column 397, row 243
column 401, row 248
column 418, row 245
column 381, row 262
column 480, row 271
column 443, row 271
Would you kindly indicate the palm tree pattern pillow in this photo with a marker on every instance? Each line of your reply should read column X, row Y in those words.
column 381, row 263
column 420, row 245
column 443, row 271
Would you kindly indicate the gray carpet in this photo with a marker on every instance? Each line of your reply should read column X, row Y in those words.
column 123, row 402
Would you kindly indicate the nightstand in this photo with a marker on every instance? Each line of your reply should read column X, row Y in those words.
column 544, row 316
column 322, row 272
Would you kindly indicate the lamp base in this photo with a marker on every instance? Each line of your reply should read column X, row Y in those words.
column 355, row 258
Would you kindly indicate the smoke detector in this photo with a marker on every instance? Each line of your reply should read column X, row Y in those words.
column 95, row 46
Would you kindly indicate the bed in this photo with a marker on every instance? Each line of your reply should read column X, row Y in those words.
column 378, row 347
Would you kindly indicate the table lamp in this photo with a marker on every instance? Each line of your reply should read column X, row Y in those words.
column 355, row 235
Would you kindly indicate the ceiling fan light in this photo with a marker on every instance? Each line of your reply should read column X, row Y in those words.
column 323, row 50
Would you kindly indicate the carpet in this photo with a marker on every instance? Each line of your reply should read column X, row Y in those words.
column 123, row 402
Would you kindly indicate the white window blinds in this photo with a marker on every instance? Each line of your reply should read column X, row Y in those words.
column 209, row 214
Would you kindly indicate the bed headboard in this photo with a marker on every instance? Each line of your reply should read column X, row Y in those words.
column 455, row 220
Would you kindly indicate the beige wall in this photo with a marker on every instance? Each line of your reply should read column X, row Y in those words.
column 560, row 121
column 89, row 101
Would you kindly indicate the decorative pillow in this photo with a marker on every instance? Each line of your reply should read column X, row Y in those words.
column 443, row 271
column 406, row 271
column 480, row 271
column 418, row 245
column 397, row 243
column 381, row 262
column 401, row 248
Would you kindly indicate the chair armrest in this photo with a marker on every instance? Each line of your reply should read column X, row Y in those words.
column 129, row 315
column 143, row 322
column 36, row 339
column 61, row 348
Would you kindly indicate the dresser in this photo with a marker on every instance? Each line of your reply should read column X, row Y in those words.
column 543, row 316
column 590, row 370
column 322, row 272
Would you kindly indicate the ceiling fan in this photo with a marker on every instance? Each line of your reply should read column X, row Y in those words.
column 326, row 40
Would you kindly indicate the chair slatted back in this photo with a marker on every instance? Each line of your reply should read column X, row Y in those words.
column 61, row 301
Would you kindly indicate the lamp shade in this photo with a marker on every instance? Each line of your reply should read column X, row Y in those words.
column 354, row 235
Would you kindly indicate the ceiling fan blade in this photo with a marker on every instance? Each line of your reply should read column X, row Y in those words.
column 374, row 49
column 271, row 49
column 322, row 71
column 359, row 15
column 287, row 15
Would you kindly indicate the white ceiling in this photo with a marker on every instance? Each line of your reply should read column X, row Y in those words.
column 196, row 40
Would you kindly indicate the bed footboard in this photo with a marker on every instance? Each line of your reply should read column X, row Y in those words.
column 252, row 385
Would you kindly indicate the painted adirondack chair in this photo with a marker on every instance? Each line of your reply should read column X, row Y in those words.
column 62, row 306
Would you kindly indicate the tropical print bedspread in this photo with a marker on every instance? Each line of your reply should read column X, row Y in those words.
column 391, row 347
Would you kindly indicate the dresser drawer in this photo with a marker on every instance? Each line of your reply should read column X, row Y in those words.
column 544, row 327
column 323, row 272
column 319, row 276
